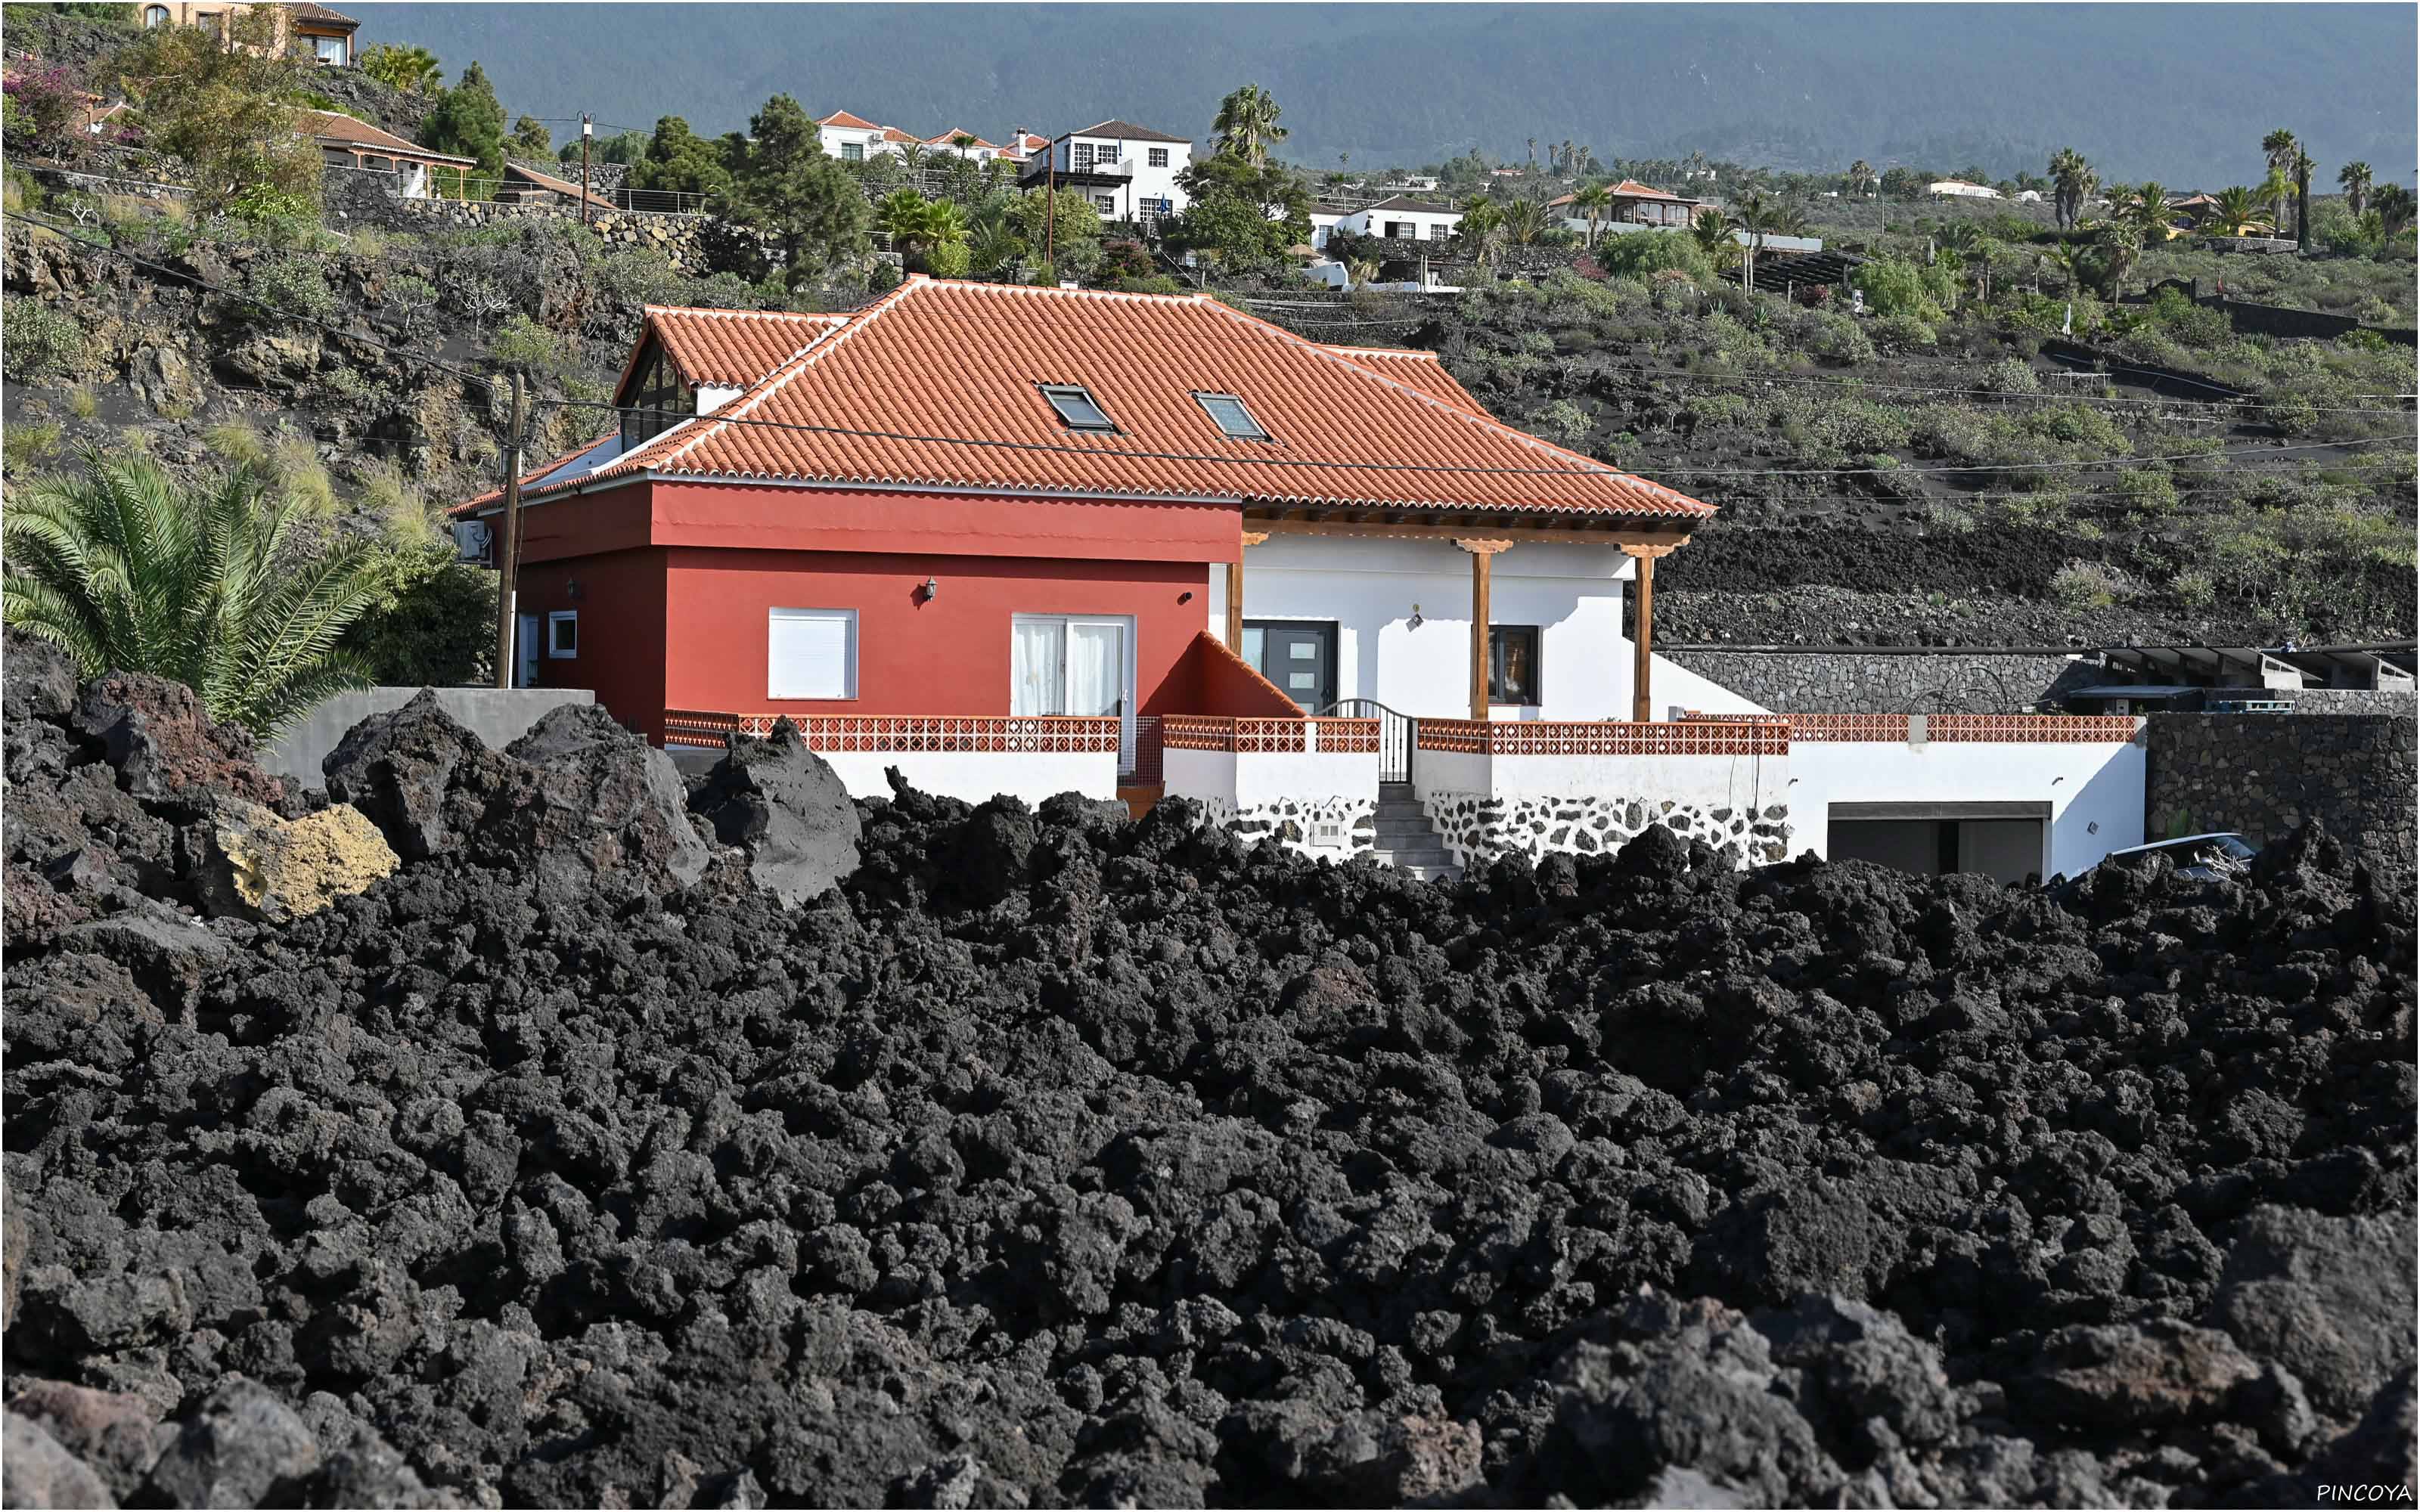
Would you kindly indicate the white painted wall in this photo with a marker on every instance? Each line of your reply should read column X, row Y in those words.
column 2094, row 790
column 1427, row 226
column 1709, row 781
column 977, row 774
column 1143, row 182
column 1269, row 777
column 1206, row 775
column 1369, row 585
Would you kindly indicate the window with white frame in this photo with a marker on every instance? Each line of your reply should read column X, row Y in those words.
column 1071, row 664
column 563, row 634
column 811, row 654
column 1082, row 158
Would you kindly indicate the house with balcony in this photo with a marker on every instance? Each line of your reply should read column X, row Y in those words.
column 326, row 35
column 1129, row 172
column 345, row 142
column 854, row 139
column 1633, row 207
column 1028, row 540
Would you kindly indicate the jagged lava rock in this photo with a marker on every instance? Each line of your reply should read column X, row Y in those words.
column 785, row 807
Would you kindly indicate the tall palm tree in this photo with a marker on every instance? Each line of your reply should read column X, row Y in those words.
column 2353, row 178
column 2238, row 212
column 2281, row 149
column 127, row 572
column 1525, row 222
column 2274, row 192
column 1593, row 201
column 1246, row 123
column 2072, row 180
column 2137, row 218
column 1760, row 217
column 1861, row 172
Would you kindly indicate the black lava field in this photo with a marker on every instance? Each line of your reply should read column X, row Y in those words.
column 603, row 1156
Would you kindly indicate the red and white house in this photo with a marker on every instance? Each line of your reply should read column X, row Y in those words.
column 1031, row 540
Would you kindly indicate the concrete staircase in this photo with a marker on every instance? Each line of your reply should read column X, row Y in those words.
column 1406, row 841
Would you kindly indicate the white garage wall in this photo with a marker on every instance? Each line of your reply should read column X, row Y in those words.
column 2094, row 789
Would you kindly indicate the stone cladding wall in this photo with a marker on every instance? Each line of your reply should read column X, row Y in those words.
column 2267, row 775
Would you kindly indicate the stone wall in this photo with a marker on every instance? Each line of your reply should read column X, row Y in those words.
column 1292, row 822
column 1848, row 681
column 2266, row 775
column 1476, row 825
column 695, row 244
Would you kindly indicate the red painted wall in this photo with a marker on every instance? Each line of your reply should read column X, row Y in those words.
column 826, row 519
column 621, row 608
column 1211, row 678
column 948, row 655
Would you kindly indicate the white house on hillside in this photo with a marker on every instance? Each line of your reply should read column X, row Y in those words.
column 1127, row 171
column 854, row 139
column 960, row 143
column 1403, row 218
column 1960, row 188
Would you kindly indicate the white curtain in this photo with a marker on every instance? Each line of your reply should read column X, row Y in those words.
column 1040, row 655
column 1095, row 666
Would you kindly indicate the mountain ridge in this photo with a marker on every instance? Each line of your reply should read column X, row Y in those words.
column 2182, row 93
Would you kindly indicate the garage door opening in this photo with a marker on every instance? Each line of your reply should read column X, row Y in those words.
column 2005, row 841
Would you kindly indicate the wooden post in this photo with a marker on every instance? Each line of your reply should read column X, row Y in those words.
column 1642, row 640
column 1236, row 593
column 587, row 130
column 508, row 546
column 1483, row 556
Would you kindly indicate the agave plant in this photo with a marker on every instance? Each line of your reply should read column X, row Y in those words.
column 126, row 572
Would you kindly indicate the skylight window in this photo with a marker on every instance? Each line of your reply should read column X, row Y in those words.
column 1077, row 406
column 1231, row 417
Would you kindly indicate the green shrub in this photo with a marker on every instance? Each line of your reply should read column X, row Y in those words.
column 1564, row 423
column 1646, row 254
column 1893, row 285
column 40, row 339
column 1904, row 333
column 29, row 444
column 433, row 623
column 2194, row 589
column 1836, row 338
column 950, row 259
column 291, row 283
column 2082, row 585
column 2009, row 375
column 2146, row 491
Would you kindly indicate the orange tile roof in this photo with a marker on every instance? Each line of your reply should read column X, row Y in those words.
column 733, row 348
column 845, row 121
column 339, row 127
column 936, row 386
column 530, row 477
column 1632, row 189
column 949, row 138
column 1421, row 370
column 892, row 133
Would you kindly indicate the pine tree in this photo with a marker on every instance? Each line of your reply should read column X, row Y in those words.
column 468, row 122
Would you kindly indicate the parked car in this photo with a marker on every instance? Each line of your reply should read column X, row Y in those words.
column 2210, row 857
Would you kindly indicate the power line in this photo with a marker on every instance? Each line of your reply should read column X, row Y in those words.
column 805, row 428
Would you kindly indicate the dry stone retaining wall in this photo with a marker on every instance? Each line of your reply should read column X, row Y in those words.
column 1832, row 682
column 1475, row 826
column 1292, row 822
column 2268, row 775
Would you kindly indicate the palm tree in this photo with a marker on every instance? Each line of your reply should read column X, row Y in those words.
column 2394, row 204
column 2074, row 264
column 127, row 572
column 2073, row 180
column 1711, row 232
column 2281, row 149
column 900, row 216
column 1760, row 217
column 408, row 70
column 1861, row 172
column 913, row 155
column 1246, row 123
column 993, row 247
column 2139, row 217
column 2353, row 178
column 1525, row 222
column 1361, row 271
column 1482, row 226
column 1593, row 201
column 2274, row 192
column 2238, row 211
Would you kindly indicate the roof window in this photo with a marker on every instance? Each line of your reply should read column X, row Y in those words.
column 1231, row 416
column 1077, row 406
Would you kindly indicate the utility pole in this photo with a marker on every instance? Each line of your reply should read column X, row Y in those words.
column 1050, row 217
column 509, row 550
column 587, row 130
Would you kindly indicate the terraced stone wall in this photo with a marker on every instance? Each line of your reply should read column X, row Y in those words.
column 2267, row 775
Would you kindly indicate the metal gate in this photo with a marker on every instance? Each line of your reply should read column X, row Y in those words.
column 1396, row 734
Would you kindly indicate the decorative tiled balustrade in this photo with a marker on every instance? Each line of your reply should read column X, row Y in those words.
column 905, row 733
column 2003, row 729
column 1604, row 737
column 1195, row 732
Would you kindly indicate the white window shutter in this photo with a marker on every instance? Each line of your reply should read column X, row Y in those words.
column 811, row 654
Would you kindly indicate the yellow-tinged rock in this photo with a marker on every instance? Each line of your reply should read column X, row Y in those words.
column 277, row 869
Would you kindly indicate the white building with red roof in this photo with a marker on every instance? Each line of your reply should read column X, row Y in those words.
column 1020, row 539
column 1129, row 172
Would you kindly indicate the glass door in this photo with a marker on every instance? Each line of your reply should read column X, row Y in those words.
column 1076, row 665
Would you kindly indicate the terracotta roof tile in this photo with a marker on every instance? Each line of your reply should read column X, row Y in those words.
column 1421, row 370
column 336, row 126
column 938, row 385
column 845, row 121
column 1126, row 131
column 735, row 347
column 949, row 138
column 530, row 477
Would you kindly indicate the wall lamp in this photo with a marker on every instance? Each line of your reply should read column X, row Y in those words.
column 1415, row 621
column 932, row 589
